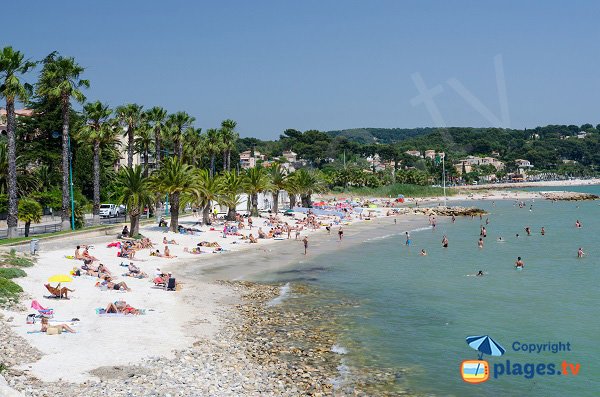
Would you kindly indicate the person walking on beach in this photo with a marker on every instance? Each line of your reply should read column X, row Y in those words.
column 445, row 241
column 249, row 223
column 341, row 233
column 305, row 242
column 519, row 263
column 407, row 239
column 580, row 253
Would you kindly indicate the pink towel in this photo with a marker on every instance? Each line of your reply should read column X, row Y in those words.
column 36, row 305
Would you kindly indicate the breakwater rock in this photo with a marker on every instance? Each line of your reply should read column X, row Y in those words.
column 442, row 211
column 569, row 196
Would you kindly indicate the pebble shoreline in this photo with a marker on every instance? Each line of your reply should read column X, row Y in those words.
column 260, row 350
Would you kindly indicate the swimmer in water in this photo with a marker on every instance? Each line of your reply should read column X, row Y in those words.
column 480, row 243
column 580, row 253
column 500, row 239
column 519, row 263
column 517, row 235
column 445, row 242
column 480, row 273
column 423, row 252
column 543, row 231
column 528, row 231
column 577, row 224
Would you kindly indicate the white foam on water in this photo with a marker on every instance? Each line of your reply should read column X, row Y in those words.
column 343, row 374
column 339, row 349
column 284, row 291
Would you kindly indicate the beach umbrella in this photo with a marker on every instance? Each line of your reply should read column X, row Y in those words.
column 485, row 345
column 60, row 278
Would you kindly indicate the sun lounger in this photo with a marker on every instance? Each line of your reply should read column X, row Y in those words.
column 45, row 312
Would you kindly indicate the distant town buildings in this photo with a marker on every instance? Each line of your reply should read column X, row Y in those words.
column 249, row 159
column 469, row 163
column 414, row 153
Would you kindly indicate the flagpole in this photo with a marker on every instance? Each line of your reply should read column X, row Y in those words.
column 444, row 177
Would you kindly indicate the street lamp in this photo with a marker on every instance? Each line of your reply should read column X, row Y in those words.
column 56, row 134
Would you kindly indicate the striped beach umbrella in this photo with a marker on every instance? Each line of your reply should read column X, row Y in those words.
column 485, row 345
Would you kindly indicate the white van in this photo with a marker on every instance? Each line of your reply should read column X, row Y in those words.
column 109, row 211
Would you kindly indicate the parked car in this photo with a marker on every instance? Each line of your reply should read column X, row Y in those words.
column 109, row 211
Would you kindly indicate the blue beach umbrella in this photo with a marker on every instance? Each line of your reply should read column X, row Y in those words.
column 485, row 345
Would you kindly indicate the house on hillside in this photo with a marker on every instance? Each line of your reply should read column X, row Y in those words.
column 414, row 153
column 523, row 167
column 290, row 156
column 248, row 160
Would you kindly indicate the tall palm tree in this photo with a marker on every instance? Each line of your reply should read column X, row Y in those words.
column 156, row 116
column 308, row 182
column 179, row 122
column 291, row 187
column 60, row 79
column 94, row 132
column 278, row 176
column 193, row 148
column 175, row 178
column 143, row 142
column 210, row 188
column 134, row 192
column 229, row 137
column 256, row 181
column 213, row 146
column 232, row 187
column 13, row 64
column 131, row 116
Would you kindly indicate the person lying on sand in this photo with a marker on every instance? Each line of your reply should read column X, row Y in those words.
column 195, row 250
column 59, row 327
column 165, row 241
column 121, row 307
column 109, row 284
column 252, row 238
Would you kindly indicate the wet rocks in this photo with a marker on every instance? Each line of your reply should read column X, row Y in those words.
column 569, row 196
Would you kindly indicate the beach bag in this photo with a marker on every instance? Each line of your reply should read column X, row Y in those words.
column 53, row 330
column 30, row 319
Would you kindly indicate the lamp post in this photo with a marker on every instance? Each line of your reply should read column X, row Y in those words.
column 56, row 134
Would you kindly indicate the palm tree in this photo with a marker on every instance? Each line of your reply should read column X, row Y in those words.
column 308, row 183
column 256, row 181
column 175, row 178
column 278, row 176
column 96, row 114
column 213, row 146
column 13, row 64
column 193, row 147
column 232, row 187
column 178, row 123
column 134, row 192
column 27, row 182
column 291, row 187
column 60, row 79
column 210, row 188
column 131, row 116
column 29, row 211
column 229, row 137
column 156, row 117
column 143, row 142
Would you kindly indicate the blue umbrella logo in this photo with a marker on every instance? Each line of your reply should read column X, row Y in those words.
column 485, row 345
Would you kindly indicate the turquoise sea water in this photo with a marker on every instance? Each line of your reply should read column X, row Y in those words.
column 415, row 311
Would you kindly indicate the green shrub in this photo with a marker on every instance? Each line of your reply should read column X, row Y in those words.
column 9, row 289
column 12, row 259
column 12, row 272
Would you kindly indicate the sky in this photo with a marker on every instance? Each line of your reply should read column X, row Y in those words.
column 328, row 65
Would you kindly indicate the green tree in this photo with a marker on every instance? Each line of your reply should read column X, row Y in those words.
column 12, row 65
column 95, row 132
column 156, row 117
column 308, row 182
column 232, row 187
column 29, row 211
column 178, row 123
column 60, row 80
column 256, row 181
column 228, row 137
column 175, row 178
column 213, row 145
column 143, row 142
column 134, row 192
column 210, row 188
column 131, row 117
column 278, row 176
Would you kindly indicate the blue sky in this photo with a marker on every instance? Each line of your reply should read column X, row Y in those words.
column 272, row 65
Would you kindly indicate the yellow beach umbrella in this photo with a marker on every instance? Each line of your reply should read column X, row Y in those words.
column 60, row 278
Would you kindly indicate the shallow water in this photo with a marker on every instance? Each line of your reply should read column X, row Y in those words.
column 415, row 311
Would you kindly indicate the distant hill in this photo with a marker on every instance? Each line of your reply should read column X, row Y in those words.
column 380, row 135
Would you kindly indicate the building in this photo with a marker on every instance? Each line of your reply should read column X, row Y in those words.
column 290, row 156
column 523, row 167
column 414, row 153
column 18, row 113
column 431, row 154
column 469, row 163
column 247, row 160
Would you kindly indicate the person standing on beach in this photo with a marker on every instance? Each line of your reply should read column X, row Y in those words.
column 407, row 239
column 249, row 223
column 305, row 242
column 445, row 241
column 341, row 233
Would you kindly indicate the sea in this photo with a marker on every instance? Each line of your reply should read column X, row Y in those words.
column 412, row 314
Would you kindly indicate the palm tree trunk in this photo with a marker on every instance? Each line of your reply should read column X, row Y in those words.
column 157, row 148
column 292, row 200
column 174, row 211
column 27, row 226
column 65, row 163
column 146, row 152
column 276, row 201
column 12, row 219
column 179, row 146
column 228, row 159
column 206, row 213
column 305, row 200
column 130, row 147
column 96, row 209
column 255, row 204
column 231, row 213
column 212, row 164
column 134, row 224
column 225, row 161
